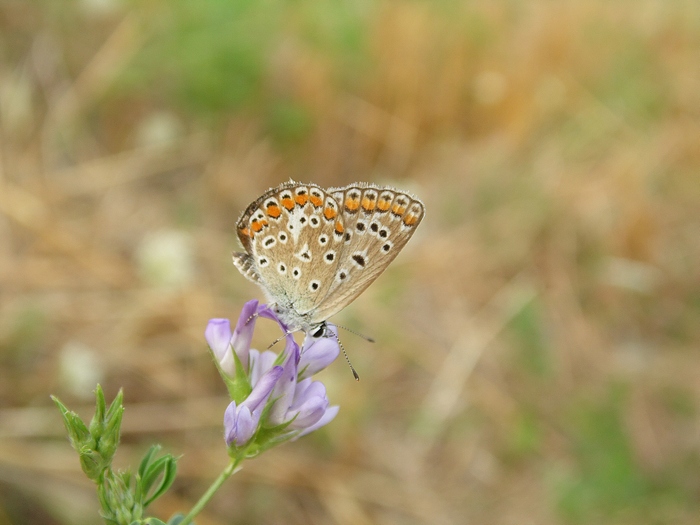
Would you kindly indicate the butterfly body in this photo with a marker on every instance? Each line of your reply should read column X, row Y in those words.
column 313, row 251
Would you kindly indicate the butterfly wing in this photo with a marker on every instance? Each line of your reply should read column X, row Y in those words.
column 292, row 236
column 378, row 222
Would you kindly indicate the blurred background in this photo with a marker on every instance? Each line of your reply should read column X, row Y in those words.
column 537, row 341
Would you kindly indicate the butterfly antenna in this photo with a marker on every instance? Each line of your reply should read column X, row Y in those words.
column 273, row 342
column 278, row 340
column 358, row 334
column 347, row 359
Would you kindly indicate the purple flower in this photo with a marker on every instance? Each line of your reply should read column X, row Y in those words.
column 269, row 313
column 284, row 392
column 260, row 362
column 309, row 405
column 303, row 403
column 218, row 336
column 243, row 333
column 326, row 418
column 221, row 340
column 241, row 422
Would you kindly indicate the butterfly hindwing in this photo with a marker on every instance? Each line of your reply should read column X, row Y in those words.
column 292, row 236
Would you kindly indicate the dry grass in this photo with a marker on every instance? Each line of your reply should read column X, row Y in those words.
column 537, row 340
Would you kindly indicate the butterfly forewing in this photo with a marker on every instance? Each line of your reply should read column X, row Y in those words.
column 378, row 224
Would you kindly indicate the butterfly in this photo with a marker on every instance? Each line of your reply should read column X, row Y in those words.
column 313, row 251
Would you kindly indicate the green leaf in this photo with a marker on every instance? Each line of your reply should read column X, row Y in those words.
column 241, row 387
column 150, row 471
column 97, row 423
column 166, row 469
column 109, row 425
column 177, row 519
column 119, row 505
column 78, row 432
column 147, row 458
column 92, row 463
column 116, row 408
column 238, row 385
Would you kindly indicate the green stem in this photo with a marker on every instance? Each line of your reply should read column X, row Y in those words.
column 225, row 474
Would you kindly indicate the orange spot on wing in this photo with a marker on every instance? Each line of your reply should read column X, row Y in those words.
column 257, row 226
column 288, row 203
column 246, row 232
column 316, row 201
column 352, row 204
column 339, row 227
column 329, row 213
column 383, row 205
column 368, row 204
column 301, row 199
column 398, row 209
column 274, row 211
column 410, row 219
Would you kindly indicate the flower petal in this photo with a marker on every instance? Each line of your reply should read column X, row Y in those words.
column 239, row 424
column 327, row 417
column 230, row 423
column 247, row 424
column 318, row 353
column 310, row 402
column 269, row 313
column 306, row 389
column 260, row 362
column 218, row 336
column 284, row 390
column 243, row 333
column 262, row 390
column 309, row 413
